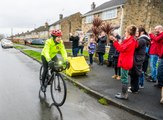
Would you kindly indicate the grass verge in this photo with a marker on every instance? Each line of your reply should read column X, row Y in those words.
column 85, row 53
column 33, row 54
column 103, row 101
column 19, row 47
column 37, row 46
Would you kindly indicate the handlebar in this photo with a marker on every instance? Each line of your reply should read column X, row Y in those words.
column 60, row 66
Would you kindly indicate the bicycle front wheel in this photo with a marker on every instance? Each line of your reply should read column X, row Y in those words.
column 58, row 90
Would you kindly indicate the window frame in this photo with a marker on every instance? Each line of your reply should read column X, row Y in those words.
column 109, row 14
column 89, row 19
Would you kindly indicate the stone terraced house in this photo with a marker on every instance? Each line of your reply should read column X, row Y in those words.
column 67, row 24
column 148, row 13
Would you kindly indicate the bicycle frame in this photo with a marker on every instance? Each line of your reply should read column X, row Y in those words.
column 56, row 82
column 50, row 75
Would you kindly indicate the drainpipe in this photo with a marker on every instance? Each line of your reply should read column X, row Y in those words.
column 121, row 22
column 69, row 23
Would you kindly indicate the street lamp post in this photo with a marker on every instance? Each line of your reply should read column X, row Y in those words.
column 11, row 34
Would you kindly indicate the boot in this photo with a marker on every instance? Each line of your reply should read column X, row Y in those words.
column 118, row 77
column 124, row 94
column 114, row 76
column 161, row 101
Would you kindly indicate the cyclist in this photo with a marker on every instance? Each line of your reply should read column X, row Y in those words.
column 52, row 46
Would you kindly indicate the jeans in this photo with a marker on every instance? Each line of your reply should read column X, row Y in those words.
column 160, row 73
column 153, row 62
column 101, row 58
column 81, row 49
column 141, row 79
column 75, row 52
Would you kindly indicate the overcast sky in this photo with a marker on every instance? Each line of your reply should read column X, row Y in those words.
column 23, row 15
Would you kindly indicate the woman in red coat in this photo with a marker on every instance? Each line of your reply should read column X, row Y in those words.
column 125, row 60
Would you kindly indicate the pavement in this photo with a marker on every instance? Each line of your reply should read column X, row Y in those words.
column 98, row 83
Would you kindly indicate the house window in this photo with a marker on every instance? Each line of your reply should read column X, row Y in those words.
column 89, row 19
column 110, row 14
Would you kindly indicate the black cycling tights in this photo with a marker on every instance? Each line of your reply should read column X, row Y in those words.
column 45, row 66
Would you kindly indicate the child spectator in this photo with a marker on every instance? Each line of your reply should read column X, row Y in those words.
column 110, row 54
column 115, row 60
column 91, row 49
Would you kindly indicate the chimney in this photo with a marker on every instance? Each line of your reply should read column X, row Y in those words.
column 60, row 16
column 46, row 25
column 93, row 5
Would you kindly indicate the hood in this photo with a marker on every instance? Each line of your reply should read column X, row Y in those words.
column 146, row 37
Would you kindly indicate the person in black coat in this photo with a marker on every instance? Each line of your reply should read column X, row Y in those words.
column 75, row 43
column 110, row 54
column 101, row 42
column 139, row 57
column 115, row 60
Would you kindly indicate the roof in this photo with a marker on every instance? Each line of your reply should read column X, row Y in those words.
column 59, row 21
column 105, row 6
column 41, row 28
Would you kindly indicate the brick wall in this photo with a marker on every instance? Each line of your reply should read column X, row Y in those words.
column 68, row 45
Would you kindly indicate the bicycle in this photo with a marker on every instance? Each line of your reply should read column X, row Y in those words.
column 56, row 82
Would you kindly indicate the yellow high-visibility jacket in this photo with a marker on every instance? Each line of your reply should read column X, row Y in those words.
column 51, row 49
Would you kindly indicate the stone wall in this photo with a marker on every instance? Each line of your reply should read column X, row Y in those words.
column 147, row 13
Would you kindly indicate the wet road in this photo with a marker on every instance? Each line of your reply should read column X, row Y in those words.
column 19, row 95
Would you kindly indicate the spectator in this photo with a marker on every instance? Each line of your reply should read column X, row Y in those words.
column 75, row 43
column 146, row 61
column 159, row 39
column 110, row 54
column 143, row 35
column 115, row 60
column 91, row 49
column 139, row 56
column 101, row 47
column 81, row 43
column 153, row 57
column 126, row 56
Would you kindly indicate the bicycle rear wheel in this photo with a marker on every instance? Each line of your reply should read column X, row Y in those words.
column 58, row 90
